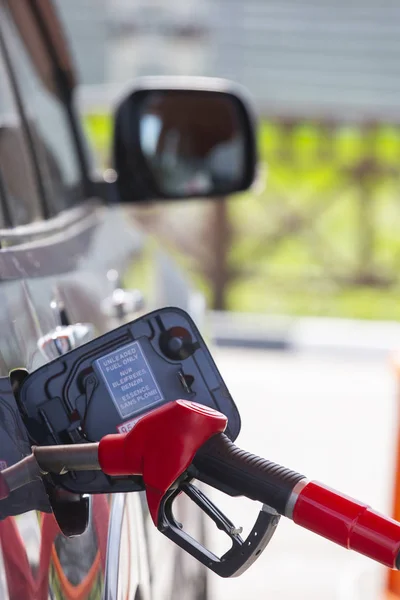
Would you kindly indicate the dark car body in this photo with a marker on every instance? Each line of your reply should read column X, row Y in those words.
column 63, row 261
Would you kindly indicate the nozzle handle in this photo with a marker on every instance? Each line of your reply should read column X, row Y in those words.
column 223, row 465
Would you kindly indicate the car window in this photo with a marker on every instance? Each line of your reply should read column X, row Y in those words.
column 19, row 196
column 47, row 119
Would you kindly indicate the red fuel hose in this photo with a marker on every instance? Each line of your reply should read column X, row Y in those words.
column 348, row 522
column 328, row 513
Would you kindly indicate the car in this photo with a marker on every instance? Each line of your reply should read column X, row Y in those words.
column 67, row 245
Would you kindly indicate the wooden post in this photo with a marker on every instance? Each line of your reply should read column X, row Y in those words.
column 220, row 241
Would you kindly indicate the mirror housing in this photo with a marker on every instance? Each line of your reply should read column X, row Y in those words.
column 183, row 137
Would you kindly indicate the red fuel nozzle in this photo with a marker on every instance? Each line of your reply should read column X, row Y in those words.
column 165, row 442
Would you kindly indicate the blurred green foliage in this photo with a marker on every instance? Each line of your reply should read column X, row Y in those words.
column 320, row 232
column 99, row 129
column 324, row 226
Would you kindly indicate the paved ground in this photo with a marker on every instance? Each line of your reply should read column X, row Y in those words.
column 333, row 417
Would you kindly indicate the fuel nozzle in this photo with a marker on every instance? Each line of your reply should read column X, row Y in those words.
column 181, row 441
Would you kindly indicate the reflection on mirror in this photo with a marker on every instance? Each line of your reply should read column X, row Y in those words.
column 193, row 143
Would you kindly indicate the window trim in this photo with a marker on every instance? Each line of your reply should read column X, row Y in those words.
column 51, row 226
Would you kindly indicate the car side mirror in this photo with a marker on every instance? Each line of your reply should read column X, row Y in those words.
column 183, row 138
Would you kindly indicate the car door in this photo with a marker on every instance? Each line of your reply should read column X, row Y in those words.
column 64, row 257
column 58, row 243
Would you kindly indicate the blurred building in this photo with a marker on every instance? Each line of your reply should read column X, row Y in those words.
column 87, row 26
column 295, row 56
column 150, row 37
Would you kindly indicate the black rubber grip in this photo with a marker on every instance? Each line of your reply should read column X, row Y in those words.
column 220, row 463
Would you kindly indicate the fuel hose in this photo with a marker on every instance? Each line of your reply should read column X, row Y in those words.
column 312, row 505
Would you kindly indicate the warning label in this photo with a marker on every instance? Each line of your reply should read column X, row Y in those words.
column 127, row 426
column 129, row 379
